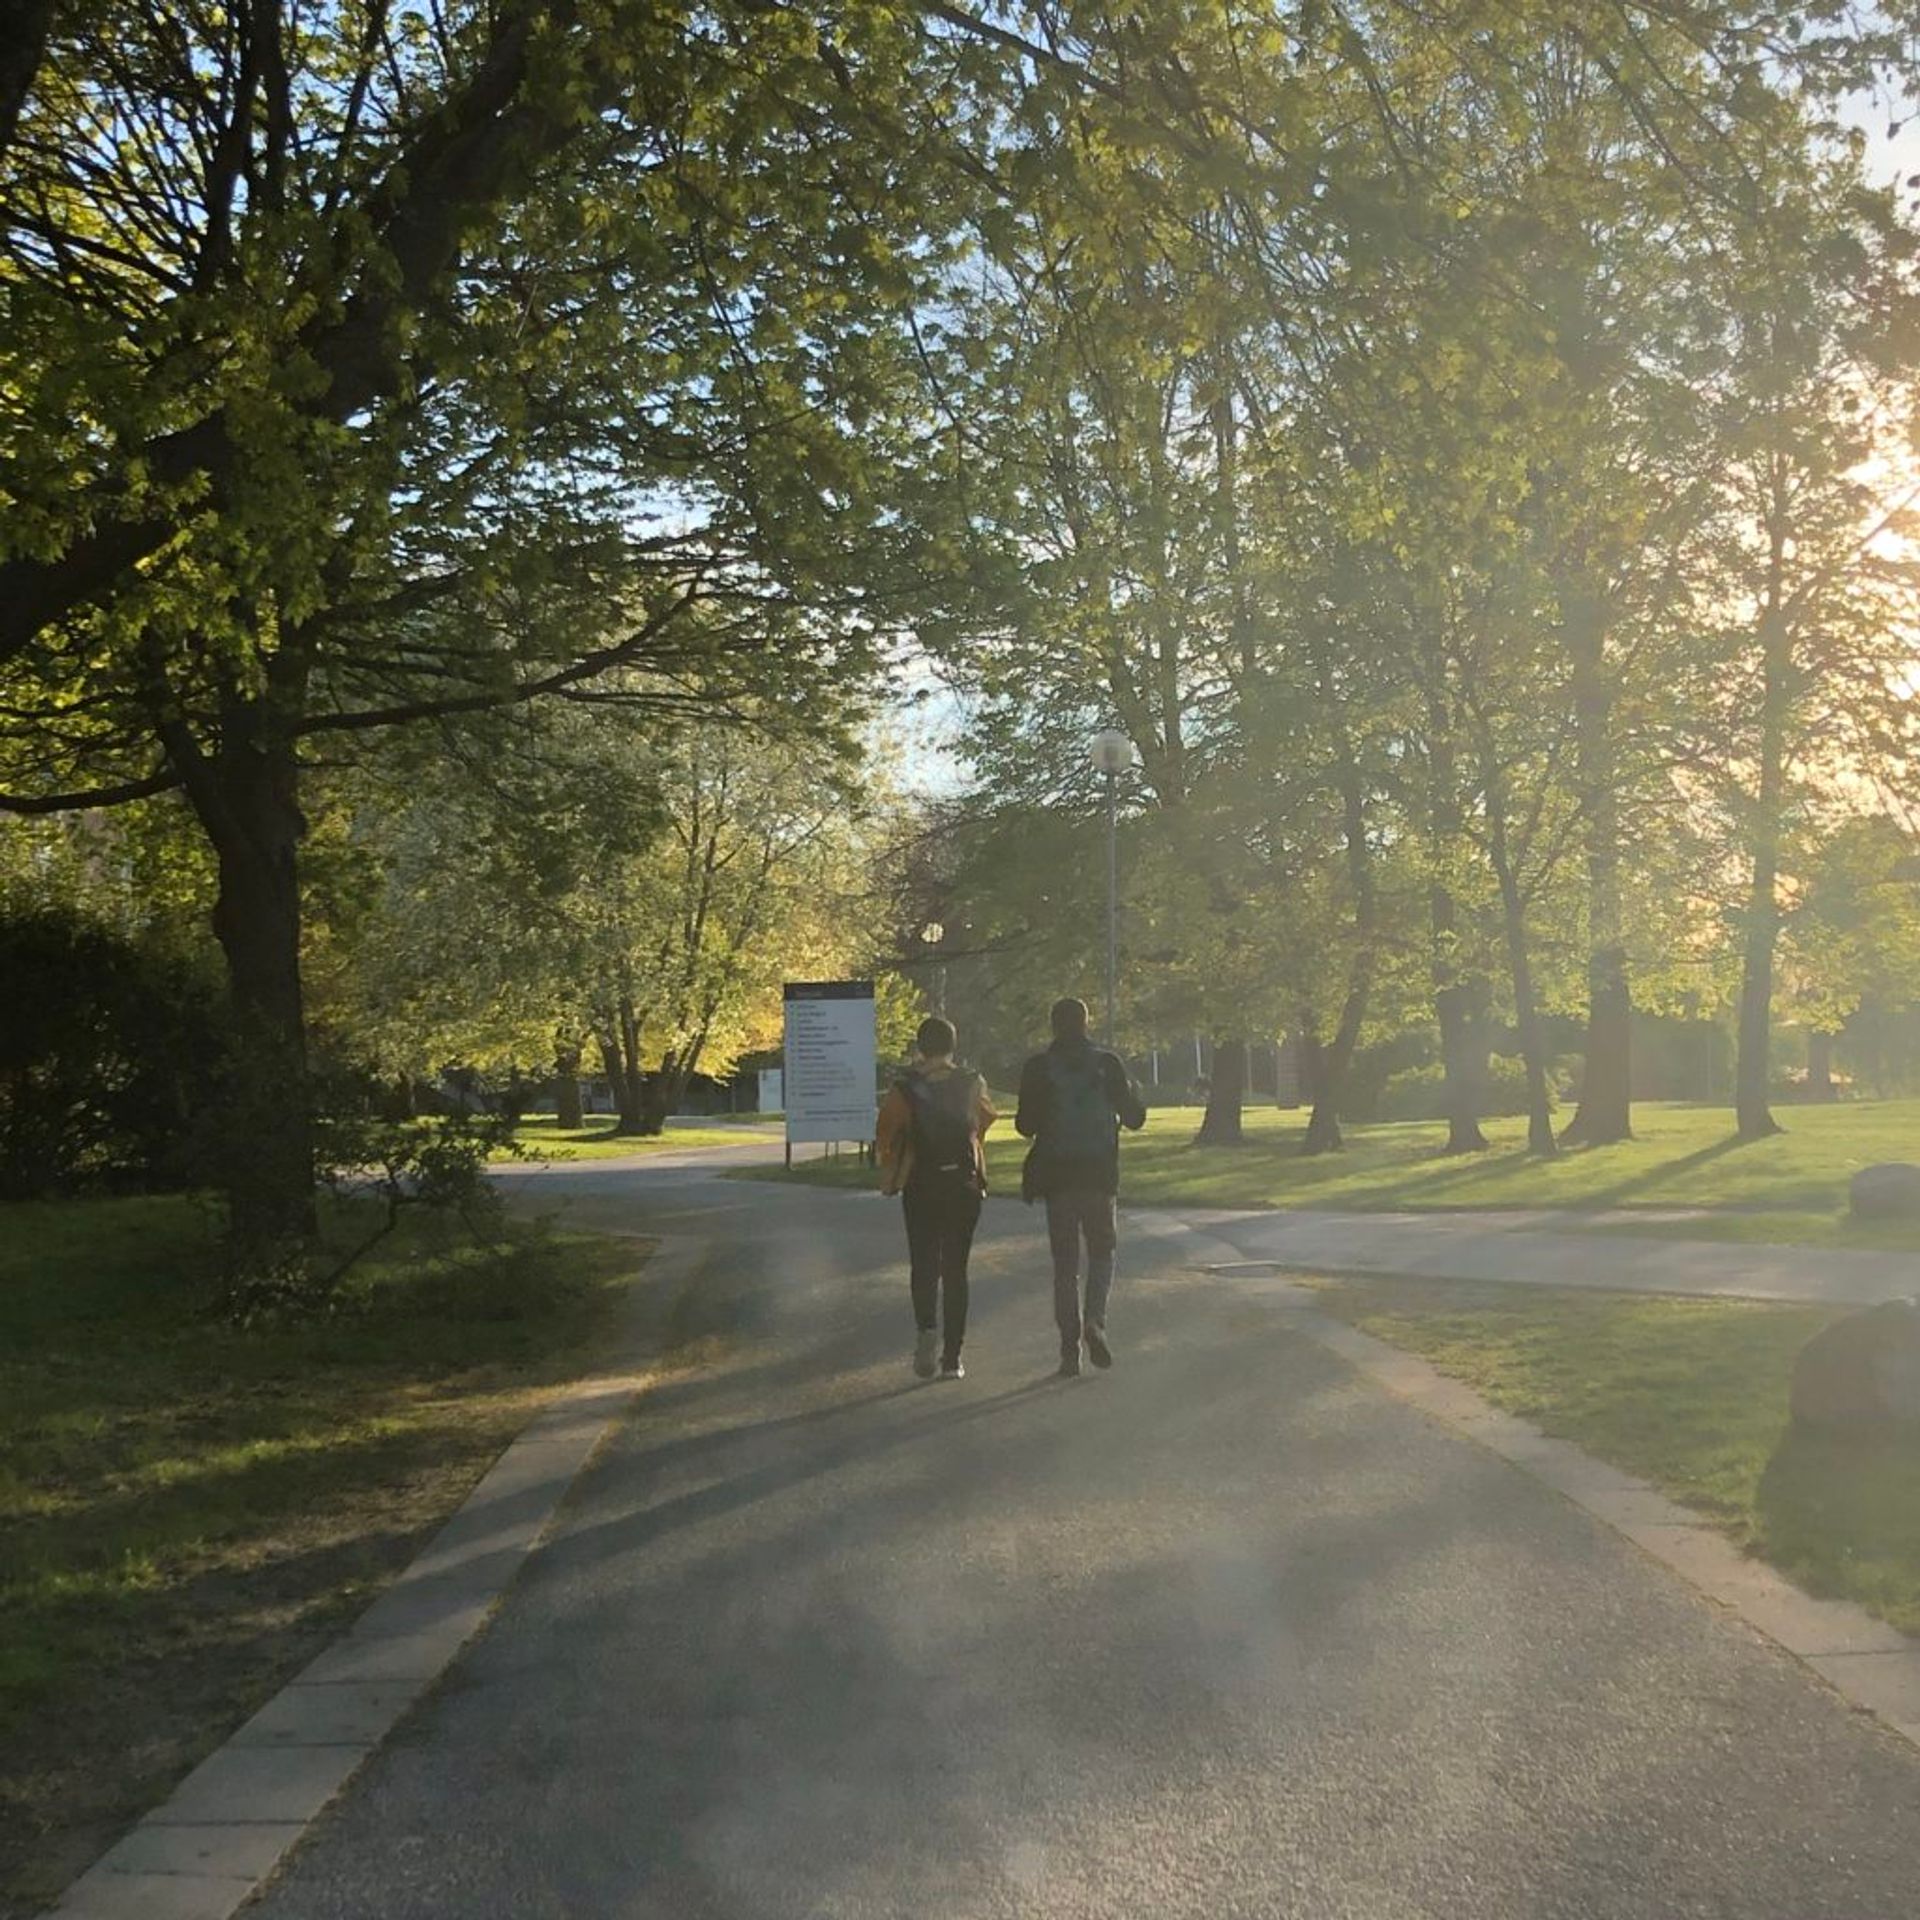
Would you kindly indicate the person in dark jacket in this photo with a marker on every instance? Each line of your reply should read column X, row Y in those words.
column 1074, row 1099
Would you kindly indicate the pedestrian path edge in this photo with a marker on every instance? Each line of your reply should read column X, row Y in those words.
column 1520, row 1249
column 227, row 1826
column 1875, row 1668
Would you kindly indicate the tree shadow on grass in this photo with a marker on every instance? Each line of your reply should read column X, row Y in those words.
column 1421, row 1183
column 1431, row 1181
column 1840, row 1513
column 1421, row 1179
column 1653, row 1176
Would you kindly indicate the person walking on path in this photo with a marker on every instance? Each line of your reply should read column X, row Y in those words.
column 1074, row 1099
column 930, row 1138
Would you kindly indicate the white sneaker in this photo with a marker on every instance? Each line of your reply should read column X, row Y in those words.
column 926, row 1353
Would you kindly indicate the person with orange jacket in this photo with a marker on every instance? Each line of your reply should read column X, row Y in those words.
column 929, row 1140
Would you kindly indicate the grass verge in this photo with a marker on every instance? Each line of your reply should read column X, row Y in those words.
column 189, row 1511
column 1690, row 1395
column 1684, row 1176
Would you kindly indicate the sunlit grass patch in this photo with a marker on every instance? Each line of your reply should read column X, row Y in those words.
column 1683, row 1176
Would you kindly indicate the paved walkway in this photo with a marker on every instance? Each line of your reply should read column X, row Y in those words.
column 1523, row 1246
column 1228, row 1632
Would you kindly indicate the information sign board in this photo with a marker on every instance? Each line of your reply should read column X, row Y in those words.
column 829, row 1063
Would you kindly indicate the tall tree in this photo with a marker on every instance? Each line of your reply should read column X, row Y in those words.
column 1814, row 388
column 360, row 363
column 750, row 881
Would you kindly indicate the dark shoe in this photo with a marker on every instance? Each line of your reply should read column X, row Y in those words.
column 1097, row 1349
column 1070, row 1363
column 952, row 1370
column 924, row 1350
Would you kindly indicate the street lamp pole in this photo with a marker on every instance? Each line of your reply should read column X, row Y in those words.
column 1113, row 896
column 931, row 936
column 1112, row 755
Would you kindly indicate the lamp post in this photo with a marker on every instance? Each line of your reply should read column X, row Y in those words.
column 1112, row 754
column 930, row 936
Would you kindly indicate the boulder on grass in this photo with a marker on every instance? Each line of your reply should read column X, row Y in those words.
column 1889, row 1192
column 1862, row 1371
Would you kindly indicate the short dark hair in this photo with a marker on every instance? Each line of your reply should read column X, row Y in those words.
column 1069, row 1019
column 936, row 1038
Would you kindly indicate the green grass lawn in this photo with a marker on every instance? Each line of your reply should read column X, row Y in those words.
column 1690, row 1395
column 1789, row 1188
column 188, row 1511
column 597, row 1140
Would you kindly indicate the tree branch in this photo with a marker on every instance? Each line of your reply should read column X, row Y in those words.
column 602, row 660
column 165, row 781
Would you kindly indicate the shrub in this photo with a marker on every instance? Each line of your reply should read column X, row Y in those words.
column 1420, row 1092
column 107, row 1051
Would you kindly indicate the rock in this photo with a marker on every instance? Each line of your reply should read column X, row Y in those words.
column 1888, row 1192
column 1861, row 1371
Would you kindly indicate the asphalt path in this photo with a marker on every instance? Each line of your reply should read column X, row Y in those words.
column 1224, row 1632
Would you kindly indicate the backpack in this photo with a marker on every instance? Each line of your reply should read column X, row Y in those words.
column 1081, row 1124
column 943, row 1126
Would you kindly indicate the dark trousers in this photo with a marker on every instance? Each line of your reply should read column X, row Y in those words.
column 941, row 1217
column 1075, row 1214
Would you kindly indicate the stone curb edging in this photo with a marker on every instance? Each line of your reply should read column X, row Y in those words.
column 228, row 1825
column 1875, row 1668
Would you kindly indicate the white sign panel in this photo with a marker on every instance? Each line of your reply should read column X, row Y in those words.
column 772, row 1096
column 829, row 1060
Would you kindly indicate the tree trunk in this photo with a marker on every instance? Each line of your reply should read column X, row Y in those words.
column 1313, row 1089
column 664, row 1089
column 1329, row 1064
column 1323, row 1133
column 22, row 52
column 1753, row 1068
column 620, row 1055
column 1460, row 1006
column 1459, row 1001
column 611, row 1068
column 1533, row 1048
column 1605, row 1112
column 1820, row 1066
column 1220, row 1125
column 246, row 798
column 1513, row 914
column 1753, row 1115
column 1325, row 1069
column 566, row 1086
